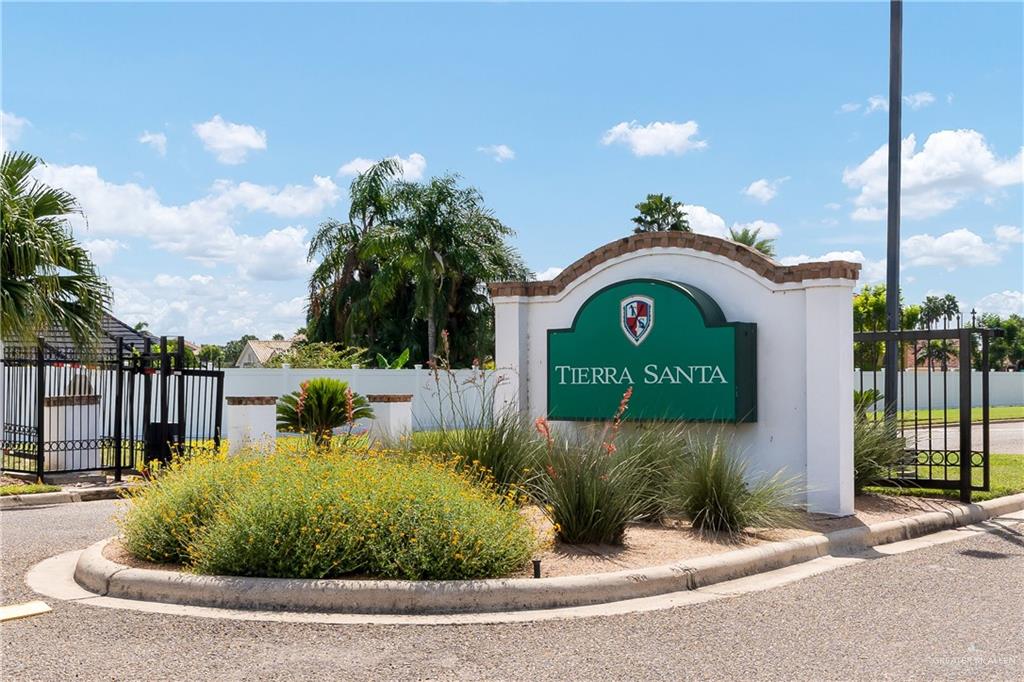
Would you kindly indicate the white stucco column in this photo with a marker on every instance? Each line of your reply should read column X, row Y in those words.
column 252, row 420
column 76, row 420
column 829, row 380
column 512, row 349
column 392, row 417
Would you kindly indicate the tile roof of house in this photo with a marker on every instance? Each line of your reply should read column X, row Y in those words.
column 264, row 350
column 58, row 341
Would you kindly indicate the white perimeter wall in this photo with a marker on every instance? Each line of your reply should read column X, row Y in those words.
column 436, row 399
column 804, row 358
column 1004, row 388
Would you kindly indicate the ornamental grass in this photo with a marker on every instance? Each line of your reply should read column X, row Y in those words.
column 713, row 488
column 340, row 512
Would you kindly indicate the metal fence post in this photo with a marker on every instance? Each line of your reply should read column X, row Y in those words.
column 40, row 401
column 118, row 408
column 965, row 415
column 180, row 361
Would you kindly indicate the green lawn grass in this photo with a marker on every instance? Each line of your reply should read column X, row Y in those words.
column 953, row 415
column 28, row 489
column 1006, row 477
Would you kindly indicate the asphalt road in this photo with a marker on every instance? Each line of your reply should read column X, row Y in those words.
column 953, row 611
column 1005, row 437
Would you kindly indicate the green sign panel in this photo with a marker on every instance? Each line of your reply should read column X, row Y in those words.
column 669, row 341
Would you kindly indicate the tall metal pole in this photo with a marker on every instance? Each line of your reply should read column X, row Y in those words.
column 892, row 271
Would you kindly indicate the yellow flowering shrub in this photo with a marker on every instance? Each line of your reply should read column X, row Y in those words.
column 289, row 514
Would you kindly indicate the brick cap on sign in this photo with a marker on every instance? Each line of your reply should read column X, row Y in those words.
column 744, row 255
column 389, row 397
column 65, row 400
column 251, row 400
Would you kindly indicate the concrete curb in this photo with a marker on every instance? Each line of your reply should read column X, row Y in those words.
column 110, row 492
column 99, row 575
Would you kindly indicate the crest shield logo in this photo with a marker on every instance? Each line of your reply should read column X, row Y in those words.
column 637, row 318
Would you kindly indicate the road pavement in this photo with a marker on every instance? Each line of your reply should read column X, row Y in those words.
column 952, row 611
column 1005, row 437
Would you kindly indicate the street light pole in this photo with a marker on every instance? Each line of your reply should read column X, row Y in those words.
column 892, row 270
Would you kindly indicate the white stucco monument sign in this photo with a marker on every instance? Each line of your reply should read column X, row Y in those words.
column 704, row 330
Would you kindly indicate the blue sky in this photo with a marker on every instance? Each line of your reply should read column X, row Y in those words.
column 206, row 142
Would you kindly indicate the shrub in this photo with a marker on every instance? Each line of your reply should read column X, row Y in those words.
column 176, row 503
column 321, row 406
column 878, row 446
column 504, row 446
column 589, row 494
column 711, row 489
column 319, row 355
column 290, row 515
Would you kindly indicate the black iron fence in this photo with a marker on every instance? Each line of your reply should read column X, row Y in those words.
column 110, row 411
column 941, row 407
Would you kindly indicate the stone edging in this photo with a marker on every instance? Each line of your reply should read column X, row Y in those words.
column 110, row 492
column 96, row 573
column 389, row 397
column 251, row 400
column 744, row 255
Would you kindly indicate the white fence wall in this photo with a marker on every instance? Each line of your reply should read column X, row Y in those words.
column 437, row 398
column 431, row 407
column 1005, row 388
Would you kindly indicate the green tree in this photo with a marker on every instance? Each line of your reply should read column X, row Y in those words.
column 278, row 337
column 658, row 213
column 1005, row 351
column 412, row 260
column 940, row 352
column 339, row 305
column 937, row 309
column 232, row 349
column 48, row 279
column 869, row 314
column 141, row 325
column 752, row 237
column 211, row 353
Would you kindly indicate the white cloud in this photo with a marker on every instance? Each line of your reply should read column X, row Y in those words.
column 498, row 152
column 205, row 308
column 549, row 273
column 230, row 142
column 289, row 201
column 871, row 270
column 655, row 139
column 412, row 166
column 919, row 100
column 203, row 229
column 1002, row 303
column 951, row 250
column 849, row 107
column 833, row 206
column 951, row 166
column 103, row 250
column 11, row 128
column 1009, row 234
column 764, row 190
column 766, row 230
column 276, row 255
column 704, row 221
column 157, row 141
column 876, row 103
column 915, row 101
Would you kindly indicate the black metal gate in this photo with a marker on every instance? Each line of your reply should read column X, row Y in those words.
column 947, row 447
column 113, row 410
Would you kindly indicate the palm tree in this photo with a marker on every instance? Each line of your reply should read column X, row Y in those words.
column 660, row 213
column 48, row 279
column 449, row 244
column 936, row 309
column 936, row 351
column 339, row 283
column 750, row 237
